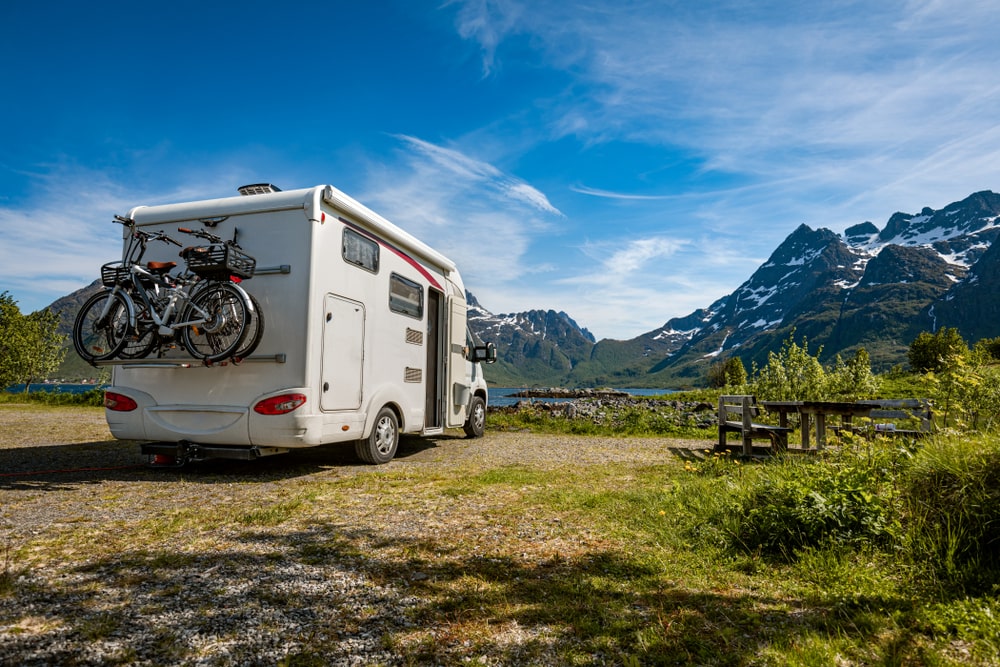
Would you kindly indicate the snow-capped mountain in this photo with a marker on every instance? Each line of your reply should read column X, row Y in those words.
column 537, row 346
column 868, row 287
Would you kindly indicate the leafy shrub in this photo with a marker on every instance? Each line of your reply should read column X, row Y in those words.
column 795, row 374
column 846, row 498
column 852, row 379
column 791, row 374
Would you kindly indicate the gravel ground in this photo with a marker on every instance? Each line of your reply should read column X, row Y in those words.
column 304, row 558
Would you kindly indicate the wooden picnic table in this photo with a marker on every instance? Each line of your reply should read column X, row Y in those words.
column 818, row 411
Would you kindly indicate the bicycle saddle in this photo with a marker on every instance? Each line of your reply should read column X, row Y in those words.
column 160, row 267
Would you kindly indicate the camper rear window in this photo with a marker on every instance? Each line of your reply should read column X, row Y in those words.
column 405, row 296
column 360, row 250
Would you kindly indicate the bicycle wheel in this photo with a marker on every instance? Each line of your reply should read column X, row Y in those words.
column 224, row 315
column 101, row 326
column 255, row 331
column 141, row 341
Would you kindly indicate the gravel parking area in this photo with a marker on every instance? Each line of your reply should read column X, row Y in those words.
column 304, row 558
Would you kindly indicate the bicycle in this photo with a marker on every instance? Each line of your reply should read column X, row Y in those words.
column 225, row 259
column 146, row 308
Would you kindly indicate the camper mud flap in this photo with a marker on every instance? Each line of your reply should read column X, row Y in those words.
column 176, row 454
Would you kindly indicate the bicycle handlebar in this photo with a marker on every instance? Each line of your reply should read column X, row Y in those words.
column 208, row 236
column 144, row 236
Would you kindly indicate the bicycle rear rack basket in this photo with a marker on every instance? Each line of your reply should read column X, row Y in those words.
column 220, row 261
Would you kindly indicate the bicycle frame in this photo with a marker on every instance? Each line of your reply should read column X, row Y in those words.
column 180, row 296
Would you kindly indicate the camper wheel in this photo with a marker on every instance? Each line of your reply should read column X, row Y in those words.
column 380, row 446
column 476, row 424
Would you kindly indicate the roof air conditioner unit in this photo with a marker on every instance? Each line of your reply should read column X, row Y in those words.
column 258, row 189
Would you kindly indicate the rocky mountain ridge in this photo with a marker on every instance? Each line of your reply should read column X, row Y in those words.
column 868, row 287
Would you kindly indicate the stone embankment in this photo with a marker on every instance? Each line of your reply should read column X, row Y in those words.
column 559, row 392
column 604, row 405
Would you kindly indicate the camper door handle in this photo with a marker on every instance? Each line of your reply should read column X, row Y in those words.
column 329, row 316
column 326, row 386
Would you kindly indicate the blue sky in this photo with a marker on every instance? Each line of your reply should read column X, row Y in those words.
column 625, row 162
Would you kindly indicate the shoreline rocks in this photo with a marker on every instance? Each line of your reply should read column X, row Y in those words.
column 559, row 392
column 602, row 406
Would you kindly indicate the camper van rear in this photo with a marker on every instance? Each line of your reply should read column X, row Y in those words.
column 364, row 338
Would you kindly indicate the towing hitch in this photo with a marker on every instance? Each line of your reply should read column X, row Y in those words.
column 178, row 454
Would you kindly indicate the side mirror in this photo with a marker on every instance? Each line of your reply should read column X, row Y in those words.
column 484, row 353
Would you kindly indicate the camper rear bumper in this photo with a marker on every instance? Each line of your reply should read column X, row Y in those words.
column 230, row 425
column 218, row 425
column 234, row 426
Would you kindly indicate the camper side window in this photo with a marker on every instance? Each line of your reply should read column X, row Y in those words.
column 360, row 250
column 405, row 296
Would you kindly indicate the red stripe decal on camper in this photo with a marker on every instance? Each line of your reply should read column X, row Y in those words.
column 388, row 246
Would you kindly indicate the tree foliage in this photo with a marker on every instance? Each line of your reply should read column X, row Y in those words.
column 933, row 352
column 853, row 379
column 792, row 374
column 728, row 373
column 30, row 345
column 964, row 382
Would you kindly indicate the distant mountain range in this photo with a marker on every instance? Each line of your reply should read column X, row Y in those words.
column 869, row 287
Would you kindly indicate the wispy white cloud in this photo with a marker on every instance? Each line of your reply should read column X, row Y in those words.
column 607, row 194
column 631, row 262
column 485, row 219
column 488, row 23
column 473, row 173
column 825, row 101
column 637, row 287
column 786, row 113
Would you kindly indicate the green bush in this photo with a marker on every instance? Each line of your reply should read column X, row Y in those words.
column 845, row 498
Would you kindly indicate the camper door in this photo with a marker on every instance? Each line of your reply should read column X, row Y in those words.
column 459, row 384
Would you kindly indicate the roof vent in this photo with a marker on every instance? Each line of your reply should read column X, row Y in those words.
column 258, row 189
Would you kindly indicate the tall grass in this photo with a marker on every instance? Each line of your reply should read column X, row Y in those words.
column 951, row 504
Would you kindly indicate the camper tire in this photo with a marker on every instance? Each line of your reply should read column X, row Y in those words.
column 380, row 446
column 475, row 426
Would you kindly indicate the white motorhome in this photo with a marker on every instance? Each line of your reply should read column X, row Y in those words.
column 365, row 338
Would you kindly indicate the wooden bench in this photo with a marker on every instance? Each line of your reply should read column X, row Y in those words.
column 912, row 411
column 736, row 415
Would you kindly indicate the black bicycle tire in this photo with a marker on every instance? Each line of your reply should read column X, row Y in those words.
column 223, row 336
column 255, row 332
column 88, row 342
column 140, row 342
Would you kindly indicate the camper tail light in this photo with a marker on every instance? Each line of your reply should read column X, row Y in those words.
column 279, row 405
column 119, row 402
